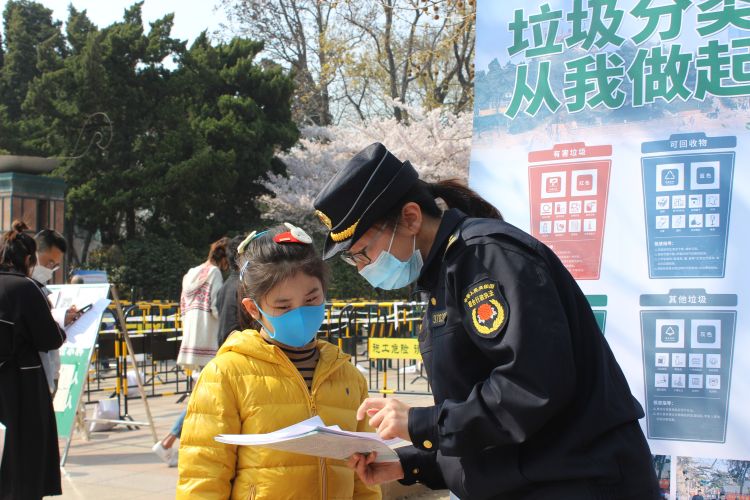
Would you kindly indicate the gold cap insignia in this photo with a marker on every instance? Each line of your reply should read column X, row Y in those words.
column 324, row 219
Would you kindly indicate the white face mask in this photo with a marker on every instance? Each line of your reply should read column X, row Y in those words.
column 42, row 274
column 390, row 273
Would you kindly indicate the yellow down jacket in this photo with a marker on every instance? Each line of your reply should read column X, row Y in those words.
column 251, row 387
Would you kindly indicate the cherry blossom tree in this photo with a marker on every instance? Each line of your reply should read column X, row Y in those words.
column 436, row 142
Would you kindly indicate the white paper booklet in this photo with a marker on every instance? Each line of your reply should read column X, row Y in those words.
column 313, row 437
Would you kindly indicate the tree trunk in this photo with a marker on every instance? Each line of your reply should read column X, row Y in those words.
column 392, row 73
column 86, row 245
column 324, row 104
column 130, row 224
column 71, row 258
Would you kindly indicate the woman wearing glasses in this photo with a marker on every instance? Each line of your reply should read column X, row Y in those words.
column 529, row 399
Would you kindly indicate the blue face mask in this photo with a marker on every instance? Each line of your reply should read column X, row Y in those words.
column 389, row 273
column 297, row 327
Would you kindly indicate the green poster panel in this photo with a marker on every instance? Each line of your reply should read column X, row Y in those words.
column 76, row 352
column 74, row 365
column 597, row 303
column 601, row 319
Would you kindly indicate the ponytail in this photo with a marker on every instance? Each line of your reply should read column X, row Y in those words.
column 16, row 247
column 453, row 192
column 456, row 195
column 217, row 254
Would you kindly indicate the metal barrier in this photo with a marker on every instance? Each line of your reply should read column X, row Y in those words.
column 354, row 325
column 155, row 331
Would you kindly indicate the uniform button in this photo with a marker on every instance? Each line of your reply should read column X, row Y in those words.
column 427, row 444
column 415, row 471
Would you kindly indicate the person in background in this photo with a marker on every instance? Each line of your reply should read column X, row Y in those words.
column 229, row 313
column 200, row 329
column 269, row 377
column 30, row 467
column 199, row 308
column 50, row 252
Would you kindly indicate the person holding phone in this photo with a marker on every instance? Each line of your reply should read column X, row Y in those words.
column 50, row 253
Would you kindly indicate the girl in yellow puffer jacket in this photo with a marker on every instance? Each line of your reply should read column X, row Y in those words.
column 270, row 377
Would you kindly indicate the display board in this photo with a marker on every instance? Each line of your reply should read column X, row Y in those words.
column 615, row 133
column 76, row 352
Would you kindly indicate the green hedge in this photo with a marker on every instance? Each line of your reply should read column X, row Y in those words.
column 146, row 268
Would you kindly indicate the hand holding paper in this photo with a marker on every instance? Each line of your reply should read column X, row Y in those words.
column 371, row 472
column 313, row 437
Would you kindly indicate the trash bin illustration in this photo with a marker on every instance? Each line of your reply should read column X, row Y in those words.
column 687, row 192
column 568, row 187
column 688, row 344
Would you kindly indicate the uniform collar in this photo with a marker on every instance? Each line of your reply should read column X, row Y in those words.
column 450, row 221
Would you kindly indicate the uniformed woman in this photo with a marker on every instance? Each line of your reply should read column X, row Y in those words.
column 529, row 399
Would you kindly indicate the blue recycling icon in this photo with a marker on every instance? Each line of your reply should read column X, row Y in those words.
column 670, row 177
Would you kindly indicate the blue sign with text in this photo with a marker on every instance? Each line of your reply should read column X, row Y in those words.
column 687, row 191
column 687, row 359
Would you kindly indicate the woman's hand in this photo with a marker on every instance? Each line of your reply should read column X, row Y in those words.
column 371, row 473
column 390, row 417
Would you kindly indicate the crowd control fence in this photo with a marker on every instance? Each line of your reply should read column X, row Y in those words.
column 380, row 337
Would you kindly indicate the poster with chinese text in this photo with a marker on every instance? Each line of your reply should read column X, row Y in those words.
column 616, row 132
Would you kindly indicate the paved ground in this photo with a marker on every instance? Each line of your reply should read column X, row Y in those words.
column 119, row 464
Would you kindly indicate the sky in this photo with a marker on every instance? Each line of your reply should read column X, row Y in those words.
column 190, row 16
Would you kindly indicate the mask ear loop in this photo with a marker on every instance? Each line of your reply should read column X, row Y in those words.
column 393, row 236
column 262, row 313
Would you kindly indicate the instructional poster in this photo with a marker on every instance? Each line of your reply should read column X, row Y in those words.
column 687, row 193
column 617, row 133
column 76, row 352
column 568, row 193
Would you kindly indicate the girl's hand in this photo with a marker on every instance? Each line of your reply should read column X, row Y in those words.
column 390, row 417
column 371, row 473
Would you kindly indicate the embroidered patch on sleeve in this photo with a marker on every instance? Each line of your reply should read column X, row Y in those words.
column 486, row 307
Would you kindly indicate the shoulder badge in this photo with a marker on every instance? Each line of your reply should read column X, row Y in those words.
column 486, row 308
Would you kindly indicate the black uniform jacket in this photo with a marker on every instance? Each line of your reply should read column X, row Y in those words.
column 31, row 459
column 529, row 400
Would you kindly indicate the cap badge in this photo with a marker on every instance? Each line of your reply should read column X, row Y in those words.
column 324, row 219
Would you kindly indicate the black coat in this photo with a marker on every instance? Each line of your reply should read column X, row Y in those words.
column 226, row 303
column 529, row 399
column 30, row 467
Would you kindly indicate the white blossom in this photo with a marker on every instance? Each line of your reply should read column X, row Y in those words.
column 437, row 143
